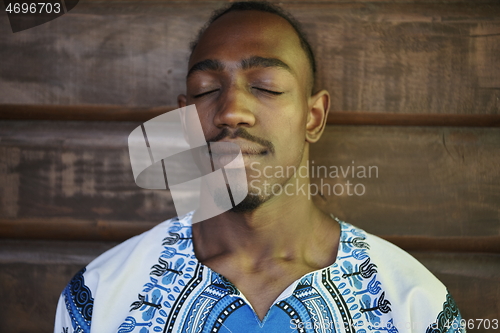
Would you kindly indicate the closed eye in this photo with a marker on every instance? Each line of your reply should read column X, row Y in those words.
column 205, row 93
column 272, row 92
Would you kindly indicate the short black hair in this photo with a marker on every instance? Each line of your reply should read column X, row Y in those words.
column 262, row 6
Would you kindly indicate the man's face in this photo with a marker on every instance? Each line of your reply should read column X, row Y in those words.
column 250, row 81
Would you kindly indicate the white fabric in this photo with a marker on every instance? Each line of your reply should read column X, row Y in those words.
column 382, row 287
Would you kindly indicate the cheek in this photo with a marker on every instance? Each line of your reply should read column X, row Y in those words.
column 288, row 134
column 287, row 114
column 207, row 120
column 294, row 135
column 294, row 121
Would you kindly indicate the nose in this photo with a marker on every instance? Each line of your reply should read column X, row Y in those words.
column 235, row 109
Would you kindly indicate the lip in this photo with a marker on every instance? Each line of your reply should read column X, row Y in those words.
column 225, row 161
column 234, row 147
column 224, row 152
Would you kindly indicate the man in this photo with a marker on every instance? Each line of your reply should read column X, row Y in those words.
column 275, row 262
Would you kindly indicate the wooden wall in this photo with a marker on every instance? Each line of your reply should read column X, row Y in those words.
column 416, row 93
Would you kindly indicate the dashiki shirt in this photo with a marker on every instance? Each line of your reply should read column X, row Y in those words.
column 154, row 283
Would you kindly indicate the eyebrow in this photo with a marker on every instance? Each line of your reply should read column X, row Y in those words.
column 206, row 65
column 252, row 62
column 255, row 61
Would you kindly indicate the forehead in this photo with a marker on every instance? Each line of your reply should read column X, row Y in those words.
column 241, row 34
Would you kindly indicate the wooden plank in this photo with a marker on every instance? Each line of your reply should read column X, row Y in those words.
column 485, row 244
column 101, row 230
column 472, row 279
column 73, row 170
column 412, row 119
column 412, row 57
column 123, row 113
column 405, row 58
column 80, row 112
column 424, row 181
column 32, row 291
column 61, row 252
column 73, row 229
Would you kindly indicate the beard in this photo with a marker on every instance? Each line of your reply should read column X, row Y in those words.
column 256, row 196
column 253, row 199
column 251, row 202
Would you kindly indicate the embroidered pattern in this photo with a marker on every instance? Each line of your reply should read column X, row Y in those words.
column 353, row 284
column 79, row 303
column 184, row 296
column 171, row 281
column 447, row 320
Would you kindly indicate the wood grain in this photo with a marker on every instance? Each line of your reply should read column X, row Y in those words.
column 80, row 112
column 425, row 181
column 73, row 229
column 73, row 170
column 412, row 57
column 430, row 181
column 412, row 119
column 484, row 244
column 45, row 252
column 123, row 113
column 67, row 229
column 32, row 291
column 472, row 279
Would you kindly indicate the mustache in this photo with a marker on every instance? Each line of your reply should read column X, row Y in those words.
column 243, row 134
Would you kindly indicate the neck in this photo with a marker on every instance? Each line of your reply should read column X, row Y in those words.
column 285, row 228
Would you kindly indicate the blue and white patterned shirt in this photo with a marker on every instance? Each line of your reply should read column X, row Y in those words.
column 154, row 283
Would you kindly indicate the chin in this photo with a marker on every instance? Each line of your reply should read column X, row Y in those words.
column 249, row 204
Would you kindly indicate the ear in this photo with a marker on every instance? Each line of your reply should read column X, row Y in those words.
column 181, row 100
column 319, row 105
